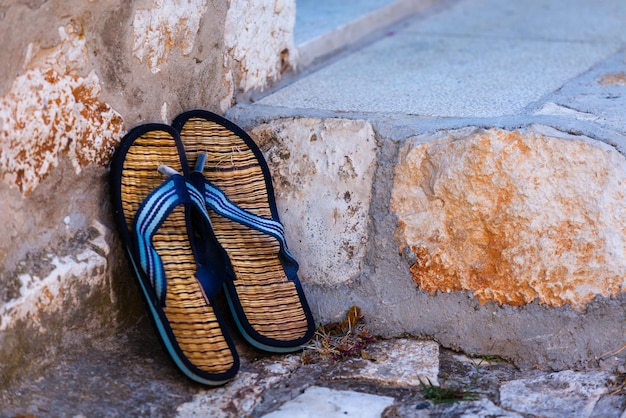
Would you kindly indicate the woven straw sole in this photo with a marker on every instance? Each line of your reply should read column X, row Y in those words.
column 270, row 302
column 194, row 324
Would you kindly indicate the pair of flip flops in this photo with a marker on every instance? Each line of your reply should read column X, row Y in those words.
column 195, row 207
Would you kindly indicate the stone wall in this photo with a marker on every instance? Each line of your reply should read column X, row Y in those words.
column 74, row 77
column 504, row 242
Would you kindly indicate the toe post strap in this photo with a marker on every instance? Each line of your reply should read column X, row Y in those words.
column 217, row 201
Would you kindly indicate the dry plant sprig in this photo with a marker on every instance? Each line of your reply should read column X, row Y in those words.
column 339, row 340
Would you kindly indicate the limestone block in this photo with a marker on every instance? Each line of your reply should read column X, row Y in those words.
column 242, row 395
column 322, row 172
column 258, row 39
column 567, row 393
column 50, row 111
column 166, row 25
column 513, row 216
column 400, row 362
column 319, row 401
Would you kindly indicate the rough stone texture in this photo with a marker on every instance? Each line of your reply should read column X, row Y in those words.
column 122, row 375
column 568, row 393
column 36, row 279
column 242, row 395
column 514, row 216
column 322, row 172
column 123, row 44
column 454, row 68
column 130, row 375
column 319, row 401
column 59, row 270
column 483, row 408
column 51, row 110
column 163, row 26
column 259, row 44
column 531, row 335
column 113, row 49
column 400, row 362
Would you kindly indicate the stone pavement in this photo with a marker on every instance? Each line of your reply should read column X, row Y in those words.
column 474, row 59
column 132, row 376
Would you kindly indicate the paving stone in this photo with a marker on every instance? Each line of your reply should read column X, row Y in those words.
column 567, row 393
column 325, row 28
column 473, row 71
column 323, row 402
column 315, row 18
column 242, row 395
column 431, row 74
column 483, row 408
column 598, row 96
column 531, row 19
column 398, row 362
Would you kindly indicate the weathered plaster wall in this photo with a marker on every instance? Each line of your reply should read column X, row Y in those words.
column 60, row 275
column 50, row 110
column 74, row 77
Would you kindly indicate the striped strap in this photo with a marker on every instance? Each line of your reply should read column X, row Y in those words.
column 149, row 217
column 217, row 200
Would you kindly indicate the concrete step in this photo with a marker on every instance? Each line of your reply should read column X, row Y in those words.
column 325, row 28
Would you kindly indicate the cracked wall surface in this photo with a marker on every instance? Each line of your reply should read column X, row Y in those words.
column 164, row 26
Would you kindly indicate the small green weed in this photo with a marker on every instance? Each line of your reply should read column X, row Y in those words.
column 440, row 394
column 486, row 360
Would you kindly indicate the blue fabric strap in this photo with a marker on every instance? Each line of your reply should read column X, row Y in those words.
column 217, row 200
column 149, row 217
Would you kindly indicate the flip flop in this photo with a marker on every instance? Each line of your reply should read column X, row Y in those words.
column 179, row 275
column 263, row 290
